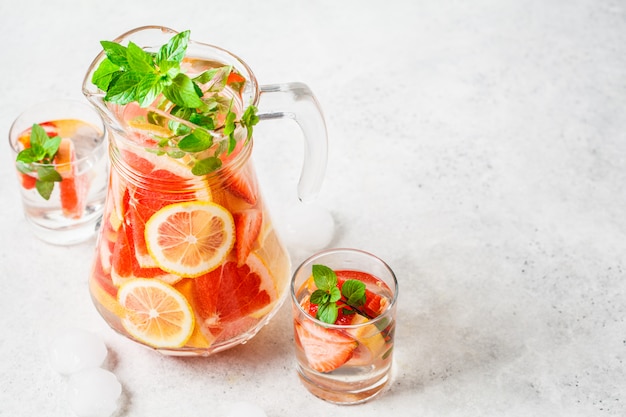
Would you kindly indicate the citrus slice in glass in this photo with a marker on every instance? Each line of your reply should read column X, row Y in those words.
column 155, row 313
column 190, row 238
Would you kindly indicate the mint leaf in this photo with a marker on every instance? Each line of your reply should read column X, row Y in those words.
column 104, row 73
column 203, row 120
column 206, row 166
column 148, row 89
column 335, row 294
column 48, row 173
column 220, row 78
column 319, row 297
column 249, row 119
column 51, row 146
column 354, row 292
column 175, row 48
column 122, row 88
column 26, row 156
column 116, row 53
column 38, row 158
column 44, row 188
column 206, row 76
column 324, row 277
column 38, row 137
column 327, row 312
column 197, row 141
column 139, row 60
column 229, row 123
column 168, row 70
column 182, row 92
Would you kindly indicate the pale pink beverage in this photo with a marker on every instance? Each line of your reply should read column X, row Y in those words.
column 348, row 361
column 71, row 210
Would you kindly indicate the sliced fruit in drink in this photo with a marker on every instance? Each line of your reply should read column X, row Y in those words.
column 124, row 265
column 247, row 228
column 198, row 339
column 325, row 349
column 100, row 276
column 73, row 186
column 28, row 182
column 231, row 299
column 104, row 297
column 371, row 341
column 155, row 313
column 158, row 173
column 375, row 304
column 191, row 238
column 241, row 184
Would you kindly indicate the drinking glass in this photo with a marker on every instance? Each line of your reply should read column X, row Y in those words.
column 71, row 211
column 349, row 361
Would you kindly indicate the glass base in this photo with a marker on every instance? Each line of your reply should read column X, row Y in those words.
column 69, row 235
column 343, row 396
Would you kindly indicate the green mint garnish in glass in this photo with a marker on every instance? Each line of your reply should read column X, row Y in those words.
column 39, row 159
column 329, row 298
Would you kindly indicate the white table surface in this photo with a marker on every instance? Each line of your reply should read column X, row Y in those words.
column 477, row 146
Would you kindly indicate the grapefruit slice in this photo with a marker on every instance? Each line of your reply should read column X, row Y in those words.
column 124, row 265
column 73, row 187
column 231, row 299
column 155, row 313
column 190, row 238
column 163, row 181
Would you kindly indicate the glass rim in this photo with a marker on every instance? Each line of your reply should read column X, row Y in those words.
column 392, row 301
column 101, row 128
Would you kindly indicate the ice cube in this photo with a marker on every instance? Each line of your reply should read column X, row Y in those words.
column 93, row 392
column 306, row 227
column 72, row 350
column 244, row 409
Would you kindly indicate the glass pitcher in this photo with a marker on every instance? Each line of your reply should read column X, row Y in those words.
column 187, row 260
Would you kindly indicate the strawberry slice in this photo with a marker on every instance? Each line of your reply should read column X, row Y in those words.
column 325, row 349
column 375, row 304
column 247, row 228
column 241, row 185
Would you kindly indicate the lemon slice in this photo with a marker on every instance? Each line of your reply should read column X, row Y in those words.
column 155, row 313
column 190, row 238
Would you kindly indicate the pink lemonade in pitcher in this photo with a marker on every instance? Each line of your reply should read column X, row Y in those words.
column 187, row 260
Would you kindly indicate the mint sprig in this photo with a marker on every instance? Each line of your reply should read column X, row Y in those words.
column 329, row 298
column 38, row 159
column 131, row 74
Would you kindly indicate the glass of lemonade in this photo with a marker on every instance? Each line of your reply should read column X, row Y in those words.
column 63, row 189
column 344, row 357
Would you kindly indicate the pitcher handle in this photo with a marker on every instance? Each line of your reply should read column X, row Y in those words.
column 296, row 101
